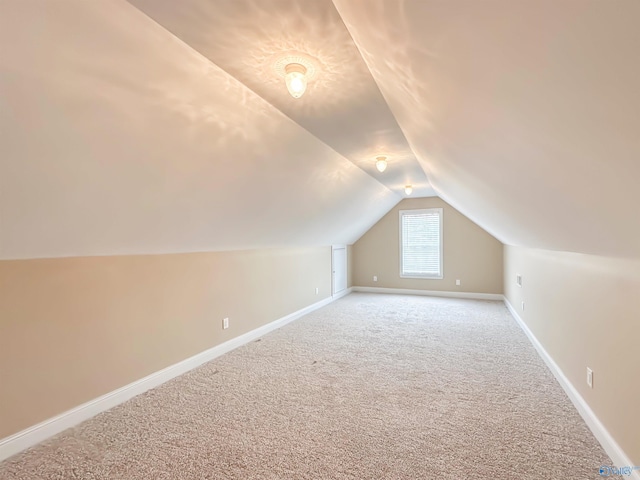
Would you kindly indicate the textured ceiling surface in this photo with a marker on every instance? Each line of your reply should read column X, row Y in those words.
column 160, row 126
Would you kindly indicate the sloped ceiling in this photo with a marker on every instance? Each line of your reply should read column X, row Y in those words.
column 160, row 126
column 119, row 138
column 525, row 115
column 343, row 106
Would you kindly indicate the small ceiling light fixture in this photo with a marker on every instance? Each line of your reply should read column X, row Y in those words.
column 408, row 189
column 297, row 69
column 381, row 163
column 295, row 78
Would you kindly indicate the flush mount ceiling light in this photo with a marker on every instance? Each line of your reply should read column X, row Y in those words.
column 408, row 189
column 297, row 70
column 381, row 163
column 296, row 79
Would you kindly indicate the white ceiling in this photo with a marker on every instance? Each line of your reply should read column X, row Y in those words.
column 525, row 115
column 343, row 106
column 118, row 138
column 160, row 126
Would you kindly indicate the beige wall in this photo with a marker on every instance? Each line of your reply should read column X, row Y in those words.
column 470, row 253
column 585, row 311
column 73, row 329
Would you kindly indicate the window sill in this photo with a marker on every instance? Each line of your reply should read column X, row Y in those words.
column 422, row 277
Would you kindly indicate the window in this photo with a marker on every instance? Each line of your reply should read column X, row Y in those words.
column 421, row 243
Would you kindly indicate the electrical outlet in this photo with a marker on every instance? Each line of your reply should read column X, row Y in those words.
column 589, row 377
column 458, row 282
column 375, row 278
column 225, row 323
column 519, row 280
column 317, row 290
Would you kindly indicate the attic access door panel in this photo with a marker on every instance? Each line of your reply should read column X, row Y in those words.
column 339, row 268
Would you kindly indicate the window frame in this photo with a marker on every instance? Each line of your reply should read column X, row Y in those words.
column 439, row 211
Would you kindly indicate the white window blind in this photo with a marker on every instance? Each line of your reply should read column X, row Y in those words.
column 421, row 243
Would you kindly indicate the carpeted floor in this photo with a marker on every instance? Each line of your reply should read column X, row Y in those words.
column 369, row 387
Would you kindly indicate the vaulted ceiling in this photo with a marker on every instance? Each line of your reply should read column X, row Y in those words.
column 156, row 126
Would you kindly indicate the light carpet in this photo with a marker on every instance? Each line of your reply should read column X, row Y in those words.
column 369, row 387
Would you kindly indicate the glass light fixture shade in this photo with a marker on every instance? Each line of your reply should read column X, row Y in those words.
column 296, row 79
column 381, row 164
column 408, row 189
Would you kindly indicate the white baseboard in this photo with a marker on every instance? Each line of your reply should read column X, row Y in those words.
column 33, row 435
column 431, row 293
column 609, row 445
column 343, row 293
